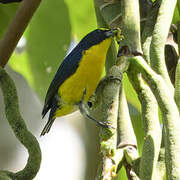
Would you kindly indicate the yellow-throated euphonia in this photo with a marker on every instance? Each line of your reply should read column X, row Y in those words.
column 78, row 76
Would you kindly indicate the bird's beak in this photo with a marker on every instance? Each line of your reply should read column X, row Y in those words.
column 115, row 32
column 112, row 33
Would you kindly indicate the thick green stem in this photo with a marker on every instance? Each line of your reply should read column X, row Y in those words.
column 152, row 129
column 149, row 106
column 108, row 103
column 152, row 139
column 131, row 25
column 20, row 130
column 147, row 32
column 159, row 37
column 170, row 114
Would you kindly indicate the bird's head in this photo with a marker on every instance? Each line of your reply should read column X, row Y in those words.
column 116, row 32
column 109, row 32
column 104, row 33
column 99, row 35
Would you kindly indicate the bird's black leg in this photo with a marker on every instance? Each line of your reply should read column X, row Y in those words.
column 84, row 111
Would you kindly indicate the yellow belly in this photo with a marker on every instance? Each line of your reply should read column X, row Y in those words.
column 87, row 75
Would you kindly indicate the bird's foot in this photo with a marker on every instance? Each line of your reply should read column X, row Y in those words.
column 84, row 111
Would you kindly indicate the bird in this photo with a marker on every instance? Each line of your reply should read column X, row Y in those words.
column 78, row 76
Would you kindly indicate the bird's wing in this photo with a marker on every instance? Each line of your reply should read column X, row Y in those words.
column 66, row 69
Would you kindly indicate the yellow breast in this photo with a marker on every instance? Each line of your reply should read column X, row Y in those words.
column 87, row 75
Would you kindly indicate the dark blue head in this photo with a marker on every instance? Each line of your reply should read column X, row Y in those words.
column 95, row 37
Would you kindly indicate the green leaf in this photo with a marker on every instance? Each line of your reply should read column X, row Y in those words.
column 138, row 130
column 176, row 16
column 122, row 174
column 130, row 93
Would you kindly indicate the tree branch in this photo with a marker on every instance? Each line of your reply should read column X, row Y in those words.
column 20, row 130
column 16, row 29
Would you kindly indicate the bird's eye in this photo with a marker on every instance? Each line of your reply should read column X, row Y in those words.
column 90, row 104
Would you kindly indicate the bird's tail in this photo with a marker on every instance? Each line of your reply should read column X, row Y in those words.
column 47, row 126
column 52, row 117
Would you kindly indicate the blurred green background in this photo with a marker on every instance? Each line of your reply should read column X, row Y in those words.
column 32, row 66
